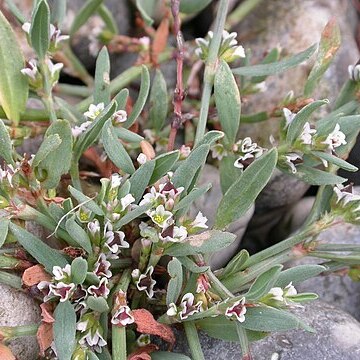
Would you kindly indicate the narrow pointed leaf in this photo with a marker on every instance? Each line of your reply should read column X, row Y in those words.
column 13, row 84
column 244, row 191
column 108, row 18
column 98, row 304
column 131, row 215
column 335, row 160
column 158, row 101
column 43, row 253
column 276, row 67
column 140, row 179
column 102, row 78
column 194, row 194
column 163, row 164
column 298, row 274
column 65, row 330
column 121, row 98
column 297, row 124
column 115, row 150
column 314, row 176
column 142, row 97
column 78, row 234
column 236, row 263
column 4, row 228
column 176, row 281
column 190, row 265
column 191, row 6
column 228, row 102
column 127, row 135
column 88, row 202
column 40, row 29
column 6, row 147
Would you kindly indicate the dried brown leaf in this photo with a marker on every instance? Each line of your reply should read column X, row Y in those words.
column 5, row 353
column 45, row 337
column 35, row 274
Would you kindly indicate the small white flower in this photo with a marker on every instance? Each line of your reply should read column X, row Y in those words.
column 141, row 159
column 172, row 310
column 94, row 227
column 146, row 283
column 94, row 111
column 151, row 197
column 119, row 117
column 101, row 290
column 200, row 221
column 102, row 266
column 290, row 290
column 277, row 294
column 261, row 87
column 55, row 35
column 78, row 130
column 64, row 291
column 126, row 201
column 93, row 340
column 188, row 307
column 354, row 72
column 239, row 52
column 289, row 116
column 145, row 41
column 161, row 217
column 115, row 181
column 173, row 234
column 115, row 240
column 345, row 194
column 31, row 69
column 185, row 151
column 123, row 316
column 307, row 134
column 54, row 69
column 238, row 309
column 335, row 139
column 291, row 160
column 218, row 151
column 62, row 273
column 26, row 27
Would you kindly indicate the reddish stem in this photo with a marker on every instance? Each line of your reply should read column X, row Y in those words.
column 179, row 93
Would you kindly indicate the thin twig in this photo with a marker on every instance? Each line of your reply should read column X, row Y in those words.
column 179, row 93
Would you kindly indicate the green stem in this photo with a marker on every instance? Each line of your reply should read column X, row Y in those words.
column 10, row 279
column 193, row 340
column 9, row 332
column 75, row 176
column 241, row 12
column 74, row 90
column 119, row 332
column 210, row 69
column 29, row 115
column 47, row 95
column 244, row 342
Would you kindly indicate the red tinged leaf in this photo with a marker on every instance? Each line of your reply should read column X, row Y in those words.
column 5, row 353
column 146, row 324
column 143, row 352
column 47, row 313
column 45, row 337
column 160, row 40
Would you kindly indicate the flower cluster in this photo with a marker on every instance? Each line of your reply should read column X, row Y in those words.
column 281, row 297
column 247, row 151
column 346, row 203
column 188, row 306
column 229, row 49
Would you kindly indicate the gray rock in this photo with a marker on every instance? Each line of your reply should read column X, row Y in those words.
column 208, row 205
column 16, row 308
column 337, row 337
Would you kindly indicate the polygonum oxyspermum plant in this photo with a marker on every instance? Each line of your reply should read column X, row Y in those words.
column 122, row 263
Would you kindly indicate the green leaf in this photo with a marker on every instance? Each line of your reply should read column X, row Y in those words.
column 158, row 101
column 314, row 176
column 50, row 144
column 269, row 319
column 271, row 57
column 188, row 169
column 165, row 355
column 236, row 263
column 4, row 228
column 140, row 179
column 163, row 164
column 78, row 234
column 176, row 281
column 43, row 253
column 68, row 111
column 115, row 150
column 146, row 9
column 228, row 172
column 329, row 44
column 254, row 118
column 190, row 265
column 65, row 330
column 276, row 67
column 6, row 147
column 228, row 102
column 194, row 194
column 297, row 124
column 102, row 78
column 304, row 297
column 335, row 160
column 79, row 268
column 131, row 215
column 58, row 12
column 263, row 283
column 40, row 29
column 224, row 329
column 97, row 304
column 121, row 98
column 108, row 18
column 142, row 97
column 94, row 130
column 92, row 356
column 89, row 8
column 210, row 138
column 243, row 192
column 191, row 6
column 206, row 242
column 58, row 161
column 298, row 274
column 13, row 84
column 87, row 202
column 15, row 11
column 127, row 135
